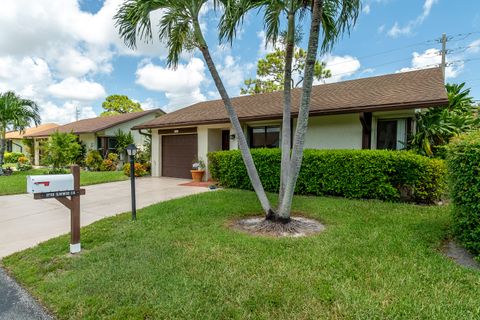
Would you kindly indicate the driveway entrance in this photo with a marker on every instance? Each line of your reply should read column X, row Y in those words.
column 25, row 222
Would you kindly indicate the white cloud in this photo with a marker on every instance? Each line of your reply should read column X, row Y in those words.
column 381, row 29
column 66, row 113
column 181, row 86
column 474, row 46
column 75, row 89
column 397, row 30
column 431, row 58
column 340, row 66
column 265, row 47
column 366, row 9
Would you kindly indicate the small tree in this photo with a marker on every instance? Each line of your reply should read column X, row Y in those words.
column 118, row 104
column 271, row 72
column 61, row 150
column 123, row 140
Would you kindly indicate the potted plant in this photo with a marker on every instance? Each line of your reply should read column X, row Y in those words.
column 198, row 170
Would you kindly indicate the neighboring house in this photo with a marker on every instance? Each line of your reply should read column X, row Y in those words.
column 99, row 133
column 370, row 113
column 14, row 138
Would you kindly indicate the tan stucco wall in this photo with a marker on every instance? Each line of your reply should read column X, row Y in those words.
column 18, row 146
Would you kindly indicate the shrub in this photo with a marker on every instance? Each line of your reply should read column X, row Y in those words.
column 139, row 170
column 23, row 164
column 109, row 164
column 463, row 160
column 12, row 157
column 62, row 149
column 93, row 160
column 369, row 174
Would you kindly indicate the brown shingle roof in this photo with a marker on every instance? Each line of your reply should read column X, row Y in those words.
column 95, row 124
column 29, row 131
column 414, row 89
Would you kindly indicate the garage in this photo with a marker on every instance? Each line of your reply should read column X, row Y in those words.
column 178, row 152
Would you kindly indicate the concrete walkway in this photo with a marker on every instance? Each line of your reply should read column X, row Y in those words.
column 25, row 222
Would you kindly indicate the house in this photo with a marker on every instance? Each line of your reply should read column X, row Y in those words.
column 99, row 133
column 369, row 113
column 15, row 141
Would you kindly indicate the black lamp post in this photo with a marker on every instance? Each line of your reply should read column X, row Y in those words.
column 132, row 151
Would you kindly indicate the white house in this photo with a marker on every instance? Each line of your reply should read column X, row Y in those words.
column 99, row 133
column 15, row 139
column 370, row 113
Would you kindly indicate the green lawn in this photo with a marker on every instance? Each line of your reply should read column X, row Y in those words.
column 17, row 182
column 179, row 260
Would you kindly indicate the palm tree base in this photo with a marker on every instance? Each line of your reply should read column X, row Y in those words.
column 295, row 226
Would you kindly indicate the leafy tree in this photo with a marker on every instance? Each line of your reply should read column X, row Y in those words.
column 16, row 114
column 271, row 72
column 118, row 104
column 180, row 29
column 437, row 126
column 61, row 150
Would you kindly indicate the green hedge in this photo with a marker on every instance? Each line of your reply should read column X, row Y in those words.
column 369, row 174
column 463, row 158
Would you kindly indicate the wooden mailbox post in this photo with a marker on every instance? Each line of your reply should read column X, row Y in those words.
column 61, row 187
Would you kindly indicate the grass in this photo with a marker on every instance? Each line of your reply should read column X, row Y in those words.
column 17, row 182
column 179, row 261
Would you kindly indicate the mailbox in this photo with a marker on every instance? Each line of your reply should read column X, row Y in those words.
column 49, row 183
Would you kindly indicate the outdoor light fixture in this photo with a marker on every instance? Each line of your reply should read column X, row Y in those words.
column 132, row 151
column 232, row 137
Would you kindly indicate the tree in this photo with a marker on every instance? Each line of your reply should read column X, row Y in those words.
column 118, row 104
column 271, row 72
column 180, row 29
column 437, row 126
column 16, row 114
column 61, row 150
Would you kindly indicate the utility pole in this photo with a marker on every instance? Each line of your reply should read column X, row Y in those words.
column 444, row 53
column 77, row 113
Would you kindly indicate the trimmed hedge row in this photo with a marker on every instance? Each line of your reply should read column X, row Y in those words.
column 368, row 174
column 463, row 158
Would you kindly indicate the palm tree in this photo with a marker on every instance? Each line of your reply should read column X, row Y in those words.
column 180, row 29
column 437, row 126
column 334, row 18
column 16, row 114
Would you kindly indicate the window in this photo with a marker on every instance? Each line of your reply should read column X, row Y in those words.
column 106, row 145
column 392, row 134
column 9, row 146
column 265, row 137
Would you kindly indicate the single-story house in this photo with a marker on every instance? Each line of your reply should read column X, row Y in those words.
column 99, row 133
column 369, row 113
column 15, row 138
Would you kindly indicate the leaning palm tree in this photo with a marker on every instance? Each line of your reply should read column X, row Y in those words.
column 180, row 29
column 16, row 114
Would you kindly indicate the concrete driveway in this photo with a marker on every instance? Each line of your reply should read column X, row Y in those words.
column 25, row 222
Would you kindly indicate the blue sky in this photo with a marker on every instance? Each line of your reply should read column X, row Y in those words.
column 75, row 59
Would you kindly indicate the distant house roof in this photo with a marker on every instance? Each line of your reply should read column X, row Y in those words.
column 29, row 131
column 406, row 90
column 93, row 125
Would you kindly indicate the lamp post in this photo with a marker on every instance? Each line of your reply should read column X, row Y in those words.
column 132, row 151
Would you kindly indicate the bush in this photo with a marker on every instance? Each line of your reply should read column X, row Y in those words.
column 12, row 157
column 23, row 164
column 463, row 160
column 139, row 170
column 62, row 149
column 93, row 160
column 110, row 164
column 369, row 174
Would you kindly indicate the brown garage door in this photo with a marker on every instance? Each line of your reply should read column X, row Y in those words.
column 178, row 152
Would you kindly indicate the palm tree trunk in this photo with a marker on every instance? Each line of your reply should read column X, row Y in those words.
column 302, row 122
column 242, row 141
column 2, row 148
column 287, row 105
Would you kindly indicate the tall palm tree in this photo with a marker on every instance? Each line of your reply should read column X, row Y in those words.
column 180, row 29
column 331, row 18
column 16, row 114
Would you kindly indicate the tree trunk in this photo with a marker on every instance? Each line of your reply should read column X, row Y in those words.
column 242, row 141
column 302, row 122
column 287, row 105
column 2, row 148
